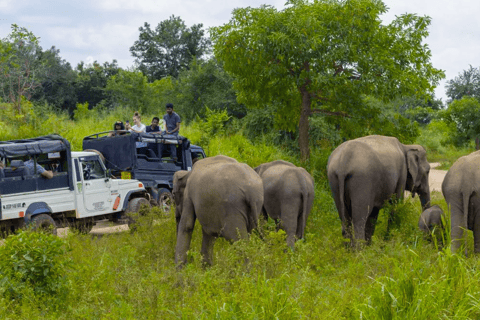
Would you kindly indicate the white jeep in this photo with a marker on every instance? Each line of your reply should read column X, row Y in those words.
column 80, row 192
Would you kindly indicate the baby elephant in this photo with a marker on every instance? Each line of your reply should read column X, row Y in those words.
column 430, row 219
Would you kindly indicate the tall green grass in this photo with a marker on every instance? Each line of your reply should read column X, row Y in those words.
column 131, row 275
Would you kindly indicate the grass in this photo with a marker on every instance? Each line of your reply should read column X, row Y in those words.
column 125, row 275
column 132, row 276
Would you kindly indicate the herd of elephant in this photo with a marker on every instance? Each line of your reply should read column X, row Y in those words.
column 228, row 197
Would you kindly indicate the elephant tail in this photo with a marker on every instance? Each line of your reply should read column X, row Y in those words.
column 341, row 197
column 256, row 207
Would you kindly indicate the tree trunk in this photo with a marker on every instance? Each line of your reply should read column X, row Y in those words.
column 303, row 125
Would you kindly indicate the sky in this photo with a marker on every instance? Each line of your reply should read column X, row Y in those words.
column 104, row 30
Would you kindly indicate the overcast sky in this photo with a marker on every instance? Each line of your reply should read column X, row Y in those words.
column 104, row 30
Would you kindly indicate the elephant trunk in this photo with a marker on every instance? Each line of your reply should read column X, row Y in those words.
column 424, row 200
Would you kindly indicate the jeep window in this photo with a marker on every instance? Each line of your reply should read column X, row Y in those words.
column 92, row 169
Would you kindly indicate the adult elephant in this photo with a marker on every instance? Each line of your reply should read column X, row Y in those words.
column 288, row 196
column 461, row 188
column 365, row 172
column 224, row 195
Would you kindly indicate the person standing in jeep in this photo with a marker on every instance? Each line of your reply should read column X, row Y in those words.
column 172, row 126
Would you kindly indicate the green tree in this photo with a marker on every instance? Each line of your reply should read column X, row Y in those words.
column 57, row 81
column 419, row 110
column 465, row 114
column 206, row 85
column 467, row 83
column 131, row 89
column 169, row 48
column 323, row 54
column 19, row 67
column 92, row 81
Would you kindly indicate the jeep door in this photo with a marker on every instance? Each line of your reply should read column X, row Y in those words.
column 96, row 186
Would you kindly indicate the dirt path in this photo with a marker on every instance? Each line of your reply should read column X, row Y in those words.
column 436, row 177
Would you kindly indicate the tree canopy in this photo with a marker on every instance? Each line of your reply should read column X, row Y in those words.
column 323, row 56
column 19, row 67
column 467, row 83
column 169, row 48
column 465, row 115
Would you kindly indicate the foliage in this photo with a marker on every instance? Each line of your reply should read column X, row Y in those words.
column 213, row 124
column 465, row 115
column 58, row 81
column 33, row 260
column 205, row 84
column 325, row 54
column 131, row 89
column 92, row 81
column 169, row 48
column 467, row 83
column 18, row 66
column 419, row 110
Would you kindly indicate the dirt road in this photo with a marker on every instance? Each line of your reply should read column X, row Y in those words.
column 436, row 177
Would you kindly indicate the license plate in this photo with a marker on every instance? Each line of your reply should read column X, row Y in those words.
column 126, row 175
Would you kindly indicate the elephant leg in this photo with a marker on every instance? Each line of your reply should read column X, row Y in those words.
column 458, row 230
column 371, row 224
column 347, row 230
column 476, row 223
column 207, row 248
column 184, row 234
column 361, row 210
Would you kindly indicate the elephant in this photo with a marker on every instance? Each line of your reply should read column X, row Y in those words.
column 288, row 196
column 224, row 195
column 365, row 172
column 460, row 189
column 431, row 218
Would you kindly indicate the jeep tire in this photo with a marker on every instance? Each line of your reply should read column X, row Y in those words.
column 43, row 222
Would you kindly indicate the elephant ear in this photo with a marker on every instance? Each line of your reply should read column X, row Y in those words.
column 412, row 165
column 180, row 180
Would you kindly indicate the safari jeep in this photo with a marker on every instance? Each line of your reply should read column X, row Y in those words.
column 152, row 165
column 80, row 192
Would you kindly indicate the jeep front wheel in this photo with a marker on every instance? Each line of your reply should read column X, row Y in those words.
column 133, row 210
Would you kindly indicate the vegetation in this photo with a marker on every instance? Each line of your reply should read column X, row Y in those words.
column 323, row 56
column 169, row 48
column 123, row 275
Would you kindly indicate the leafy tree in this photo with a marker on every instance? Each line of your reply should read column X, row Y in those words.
column 323, row 54
column 92, row 81
column 420, row 110
column 18, row 66
column 169, row 48
column 206, row 85
column 465, row 115
column 467, row 83
column 131, row 89
column 57, row 81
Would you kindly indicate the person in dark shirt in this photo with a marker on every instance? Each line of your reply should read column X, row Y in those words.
column 154, row 127
column 172, row 120
column 172, row 127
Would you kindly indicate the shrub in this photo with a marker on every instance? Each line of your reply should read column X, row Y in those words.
column 33, row 260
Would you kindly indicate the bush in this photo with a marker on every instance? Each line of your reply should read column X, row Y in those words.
column 33, row 260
